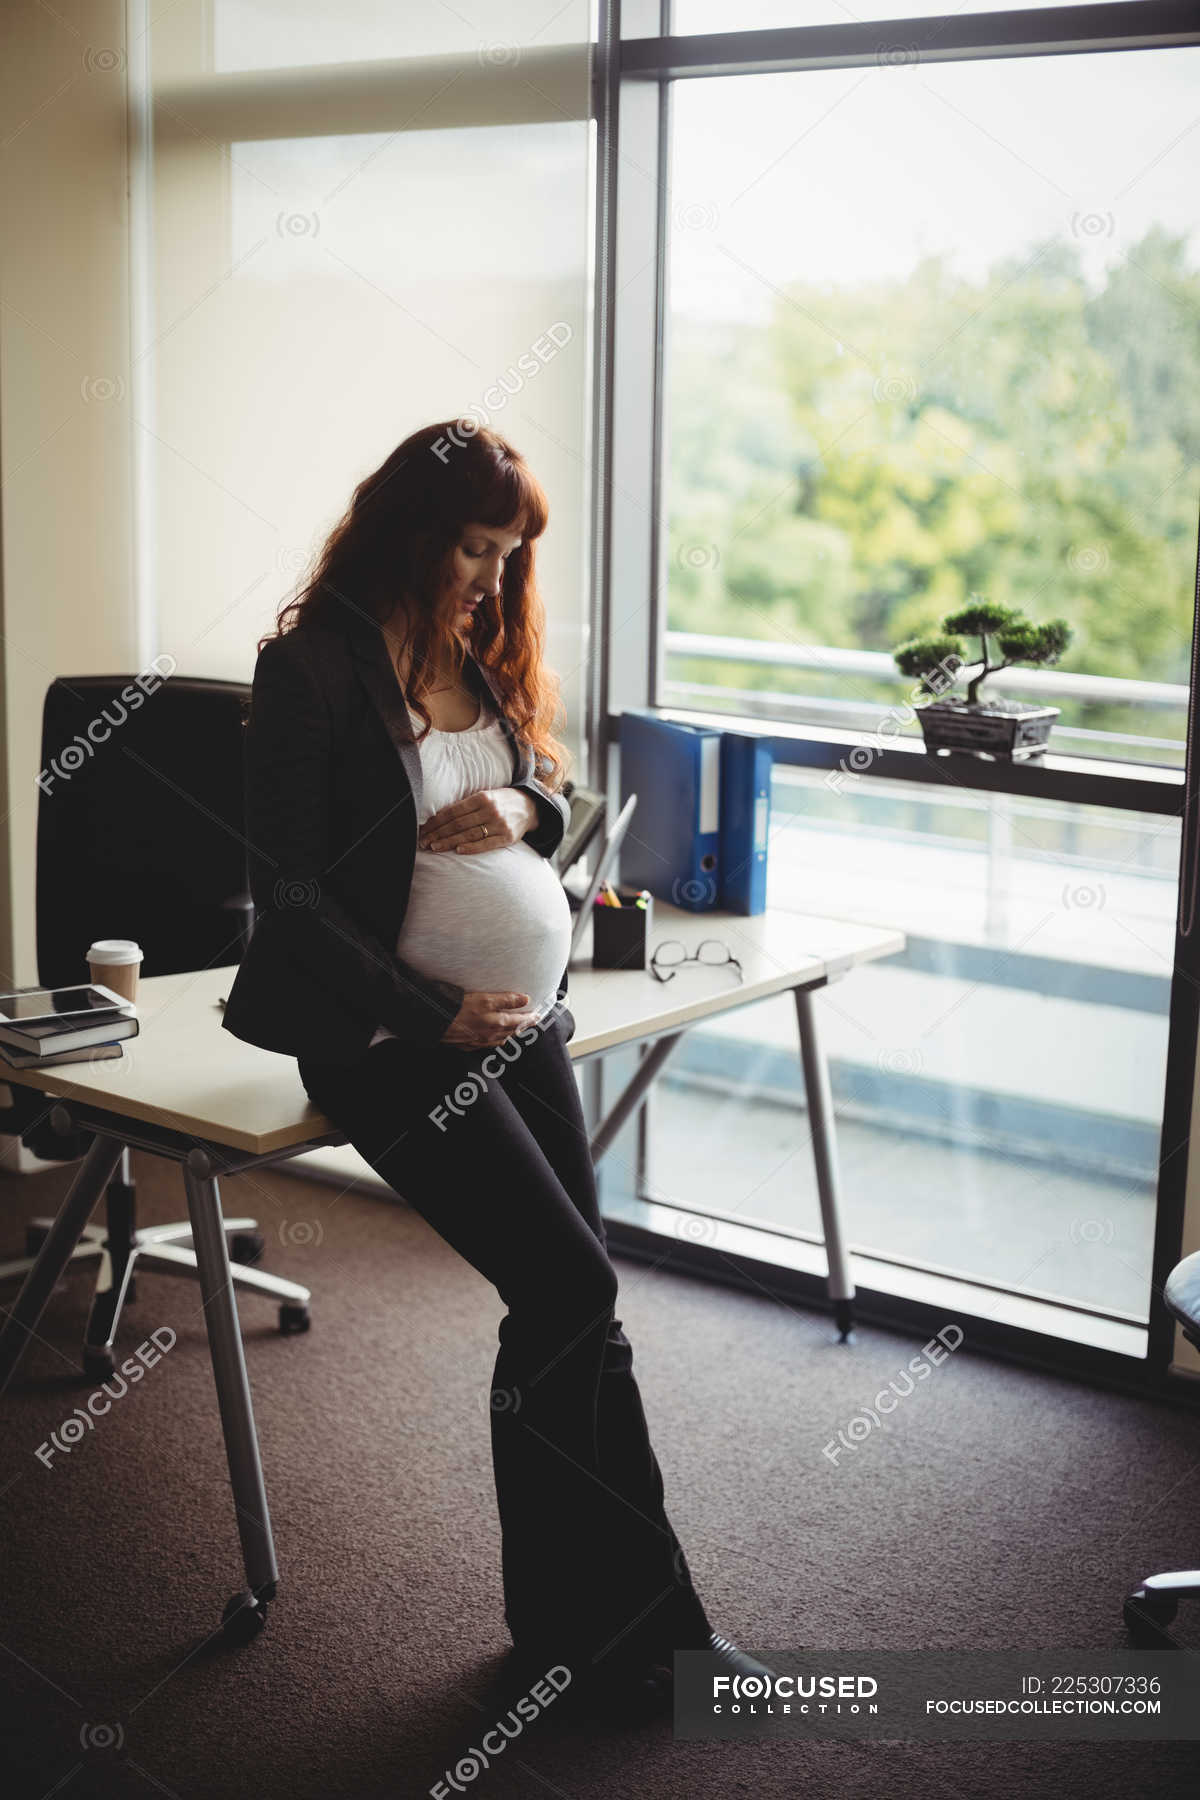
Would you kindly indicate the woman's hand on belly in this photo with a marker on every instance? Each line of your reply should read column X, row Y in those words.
column 504, row 814
column 484, row 1019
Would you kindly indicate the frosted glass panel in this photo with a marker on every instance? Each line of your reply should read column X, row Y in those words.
column 316, row 297
column 273, row 34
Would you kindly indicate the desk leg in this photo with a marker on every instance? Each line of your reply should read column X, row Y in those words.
column 824, row 1147
column 630, row 1096
column 245, row 1613
column 93, row 1177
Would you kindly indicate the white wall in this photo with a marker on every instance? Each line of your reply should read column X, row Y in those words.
column 65, row 416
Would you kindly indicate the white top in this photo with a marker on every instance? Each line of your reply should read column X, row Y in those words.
column 490, row 920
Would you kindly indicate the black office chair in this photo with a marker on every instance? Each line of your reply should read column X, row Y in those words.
column 141, row 834
column 1152, row 1605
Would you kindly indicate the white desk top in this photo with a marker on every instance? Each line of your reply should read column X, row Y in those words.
column 184, row 1072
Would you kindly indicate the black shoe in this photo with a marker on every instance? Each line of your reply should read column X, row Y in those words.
column 735, row 1660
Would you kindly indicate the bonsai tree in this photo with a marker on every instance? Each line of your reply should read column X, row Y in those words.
column 935, row 661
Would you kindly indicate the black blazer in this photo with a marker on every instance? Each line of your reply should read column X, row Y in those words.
column 333, row 787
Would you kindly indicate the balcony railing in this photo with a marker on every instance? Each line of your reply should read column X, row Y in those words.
column 1049, row 686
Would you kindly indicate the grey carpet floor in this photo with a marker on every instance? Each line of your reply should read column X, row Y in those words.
column 997, row 1508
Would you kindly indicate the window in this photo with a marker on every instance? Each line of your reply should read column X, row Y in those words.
column 271, row 34
column 931, row 334
column 340, row 251
column 896, row 326
column 353, row 220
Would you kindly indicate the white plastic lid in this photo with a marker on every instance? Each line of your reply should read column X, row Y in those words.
column 115, row 951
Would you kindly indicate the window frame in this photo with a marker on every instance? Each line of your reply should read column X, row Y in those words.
column 638, row 62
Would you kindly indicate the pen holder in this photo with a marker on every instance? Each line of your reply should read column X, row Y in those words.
column 620, row 933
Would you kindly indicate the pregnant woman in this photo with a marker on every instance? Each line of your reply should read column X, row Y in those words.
column 410, row 950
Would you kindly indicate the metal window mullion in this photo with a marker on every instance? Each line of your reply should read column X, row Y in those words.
column 635, row 357
column 604, row 102
column 1025, row 31
column 660, row 423
column 632, row 148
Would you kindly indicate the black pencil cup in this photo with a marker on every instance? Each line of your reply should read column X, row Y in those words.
column 620, row 933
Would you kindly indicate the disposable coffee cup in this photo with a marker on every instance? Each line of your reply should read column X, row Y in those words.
column 116, row 963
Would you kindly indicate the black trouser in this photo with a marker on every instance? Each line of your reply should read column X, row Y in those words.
column 491, row 1148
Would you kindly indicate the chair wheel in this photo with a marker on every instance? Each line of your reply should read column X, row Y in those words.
column 246, row 1246
column 244, row 1617
column 98, row 1365
column 35, row 1237
column 1145, row 1608
column 293, row 1318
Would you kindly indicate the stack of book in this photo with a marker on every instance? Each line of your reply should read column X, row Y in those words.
column 43, row 1026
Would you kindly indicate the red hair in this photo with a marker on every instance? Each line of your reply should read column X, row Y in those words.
column 395, row 542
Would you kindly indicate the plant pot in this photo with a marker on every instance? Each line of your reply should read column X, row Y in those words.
column 1001, row 728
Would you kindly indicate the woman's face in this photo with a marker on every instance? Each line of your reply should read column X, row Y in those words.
column 477, row 570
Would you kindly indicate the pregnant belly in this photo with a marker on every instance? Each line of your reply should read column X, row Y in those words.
column 497, row 921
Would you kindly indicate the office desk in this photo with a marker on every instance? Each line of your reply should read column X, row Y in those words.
column 779, row 952
column 188, row 1091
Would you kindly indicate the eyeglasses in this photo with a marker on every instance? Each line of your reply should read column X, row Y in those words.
column 671, row 954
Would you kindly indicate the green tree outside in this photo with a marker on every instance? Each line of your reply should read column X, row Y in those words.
column 860, row 466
